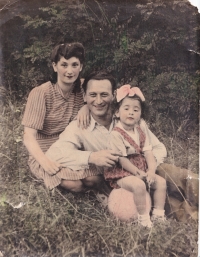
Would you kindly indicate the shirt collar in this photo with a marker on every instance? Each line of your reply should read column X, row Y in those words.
column 94, row 123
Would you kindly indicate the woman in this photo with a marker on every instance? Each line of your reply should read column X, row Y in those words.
column 50, row 108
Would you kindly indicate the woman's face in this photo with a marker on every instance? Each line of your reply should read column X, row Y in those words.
column 67, row 70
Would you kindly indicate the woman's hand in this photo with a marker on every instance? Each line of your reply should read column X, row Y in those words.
column 51, row 167
column 34, row 149
column 83, row 117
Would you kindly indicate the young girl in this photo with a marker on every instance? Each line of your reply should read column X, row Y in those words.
column 137, row 166
column 50, row 108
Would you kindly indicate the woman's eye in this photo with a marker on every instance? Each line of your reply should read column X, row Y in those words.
column 75, row 64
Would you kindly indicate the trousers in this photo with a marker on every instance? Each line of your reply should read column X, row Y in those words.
column 182, row 192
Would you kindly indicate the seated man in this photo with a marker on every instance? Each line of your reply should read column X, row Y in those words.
column 82, row 154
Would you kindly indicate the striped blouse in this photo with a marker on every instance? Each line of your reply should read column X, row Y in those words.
column 49, row 112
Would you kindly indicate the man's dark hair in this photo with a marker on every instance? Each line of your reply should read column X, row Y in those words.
column 99, row 75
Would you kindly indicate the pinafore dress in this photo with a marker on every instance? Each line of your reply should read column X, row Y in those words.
column 117, row 172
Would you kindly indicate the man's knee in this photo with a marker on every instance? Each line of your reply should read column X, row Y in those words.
column 92, row 181
column 72, row 185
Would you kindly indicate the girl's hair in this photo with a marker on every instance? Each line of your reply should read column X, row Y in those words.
column 136, row 97
column 67, row 51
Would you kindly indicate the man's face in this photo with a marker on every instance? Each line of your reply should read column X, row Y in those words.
column 99, row 97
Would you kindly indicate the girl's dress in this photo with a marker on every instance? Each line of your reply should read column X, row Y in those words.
column 49, row 112
column 122, row 141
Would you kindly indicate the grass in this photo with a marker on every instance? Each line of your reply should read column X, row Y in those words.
column 70, row 225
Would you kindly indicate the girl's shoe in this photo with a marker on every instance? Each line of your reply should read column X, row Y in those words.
column 144, row 220
column 158, row 219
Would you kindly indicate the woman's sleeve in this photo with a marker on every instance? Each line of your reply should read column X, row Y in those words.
column 116, row 143
column 35, row 110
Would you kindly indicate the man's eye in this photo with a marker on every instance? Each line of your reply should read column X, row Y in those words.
column 92, row 95
column 104, row 95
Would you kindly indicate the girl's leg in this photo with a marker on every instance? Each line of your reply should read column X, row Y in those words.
column 138, row 188
column 159, row 187
column 159, row 196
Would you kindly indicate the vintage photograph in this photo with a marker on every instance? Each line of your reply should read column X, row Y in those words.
column 99, row 128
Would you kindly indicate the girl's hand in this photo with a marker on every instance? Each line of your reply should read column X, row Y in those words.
column 83, row 117
column 141, row 174
column 151, row 177
column 51, row 167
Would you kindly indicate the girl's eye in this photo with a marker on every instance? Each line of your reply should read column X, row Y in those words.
column 126, row 109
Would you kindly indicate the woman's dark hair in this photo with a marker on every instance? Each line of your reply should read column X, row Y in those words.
column 99, row 75
column 67, row 51
column 136, row 97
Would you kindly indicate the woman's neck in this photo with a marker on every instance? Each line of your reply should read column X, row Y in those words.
column 66, row 88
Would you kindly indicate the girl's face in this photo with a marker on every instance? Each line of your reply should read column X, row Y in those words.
column 129, row 113
column 67, row 70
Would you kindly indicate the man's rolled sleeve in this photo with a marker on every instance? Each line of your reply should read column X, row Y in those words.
column 69, row 151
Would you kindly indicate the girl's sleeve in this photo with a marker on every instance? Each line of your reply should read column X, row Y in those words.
column 158, row 148
column 35, row 109
column 117, row 144
column 147, row 144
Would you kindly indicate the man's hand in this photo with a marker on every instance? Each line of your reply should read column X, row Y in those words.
column 106, row 158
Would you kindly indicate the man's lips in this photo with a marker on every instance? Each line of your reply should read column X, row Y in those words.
column 99, row 107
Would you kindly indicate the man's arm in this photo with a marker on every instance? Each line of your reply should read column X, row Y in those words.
column 105, row 158
column 69, row 151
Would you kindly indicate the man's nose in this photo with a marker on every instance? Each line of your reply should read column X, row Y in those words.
column 98, row 99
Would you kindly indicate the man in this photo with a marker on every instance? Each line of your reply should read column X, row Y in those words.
column 83, row 154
